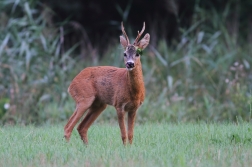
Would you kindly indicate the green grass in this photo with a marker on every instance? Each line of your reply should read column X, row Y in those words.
column 154, row 145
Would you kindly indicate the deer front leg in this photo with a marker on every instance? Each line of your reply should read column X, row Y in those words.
column 131, row 122
column 120, row 115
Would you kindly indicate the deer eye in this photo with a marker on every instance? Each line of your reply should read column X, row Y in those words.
column 124, row 55
column 137, row 55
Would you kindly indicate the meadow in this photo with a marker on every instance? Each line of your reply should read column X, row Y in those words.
column 200, row 144
column 195, row 84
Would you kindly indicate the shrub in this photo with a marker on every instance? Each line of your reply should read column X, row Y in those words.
column 33, row 67
column 206, row 75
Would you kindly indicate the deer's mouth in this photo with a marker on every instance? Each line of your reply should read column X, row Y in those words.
column 129, row 69
column 130, row 65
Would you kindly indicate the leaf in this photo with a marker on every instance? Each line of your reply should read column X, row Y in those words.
column 43, row 41
column 127, row 10
column 161, row 97
column 45, row 97
column 170, row 81
column 139, row 51
column 15, row 5
column 22, row 48
column 28, row 11
column 194, row 26
column 246, row 64
column 206, row 48
column 161, row 59
column 28, row 57
column 119, row 9
column 200, row 37
column 216, row 35
column 4, row 43
column 71, row 50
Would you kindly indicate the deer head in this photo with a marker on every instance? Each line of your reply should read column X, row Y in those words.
column 132, row 51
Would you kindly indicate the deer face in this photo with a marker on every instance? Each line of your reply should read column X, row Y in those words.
column 131, row 56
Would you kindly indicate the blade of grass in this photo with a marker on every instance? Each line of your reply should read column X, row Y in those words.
column 4, row 43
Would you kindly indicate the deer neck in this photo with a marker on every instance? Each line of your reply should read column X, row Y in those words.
column 135, row 81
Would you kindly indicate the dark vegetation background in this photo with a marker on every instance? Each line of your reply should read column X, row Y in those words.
column 196, row 68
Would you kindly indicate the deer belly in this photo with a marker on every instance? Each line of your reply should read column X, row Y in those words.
column 105, row 94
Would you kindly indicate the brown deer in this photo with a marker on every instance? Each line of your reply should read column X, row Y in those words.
column 95, row 87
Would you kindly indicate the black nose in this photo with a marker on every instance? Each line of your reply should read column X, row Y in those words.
column 130, row 64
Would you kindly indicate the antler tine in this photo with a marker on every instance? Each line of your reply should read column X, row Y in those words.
column 139, row 34
column 124, row 33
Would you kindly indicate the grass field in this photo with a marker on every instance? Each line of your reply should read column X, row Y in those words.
column 154, row 145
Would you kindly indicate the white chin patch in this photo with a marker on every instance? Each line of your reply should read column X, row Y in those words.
column 129, row 69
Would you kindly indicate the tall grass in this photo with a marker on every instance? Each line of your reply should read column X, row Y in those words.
column 205, row 75
column 33, row 69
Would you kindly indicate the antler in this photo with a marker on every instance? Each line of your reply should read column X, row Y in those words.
column 139, row 34
column 124, row 33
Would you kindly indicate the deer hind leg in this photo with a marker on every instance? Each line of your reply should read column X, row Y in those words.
column 80, row 109
column 131, row 122
column 91, row 116
column 120, row 115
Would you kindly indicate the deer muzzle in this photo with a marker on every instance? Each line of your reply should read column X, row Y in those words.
column 130, row 65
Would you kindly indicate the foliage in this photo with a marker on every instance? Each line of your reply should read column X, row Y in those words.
column 4, row 106
column 205, row 75
column 163, row 18
column 33, row 69
column 181, row 145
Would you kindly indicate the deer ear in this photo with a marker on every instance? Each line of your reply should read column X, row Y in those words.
column 144, row 42
column 123, row 42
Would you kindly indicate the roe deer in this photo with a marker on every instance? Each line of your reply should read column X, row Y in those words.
column 95, row 87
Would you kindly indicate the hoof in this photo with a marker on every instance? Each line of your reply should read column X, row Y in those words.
column 66, row 138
